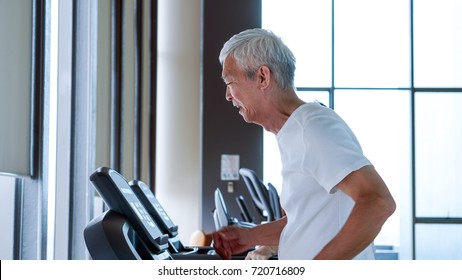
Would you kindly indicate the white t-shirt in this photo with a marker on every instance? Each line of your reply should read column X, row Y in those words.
column 318, row 150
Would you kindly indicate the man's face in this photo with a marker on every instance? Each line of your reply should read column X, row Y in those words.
column 240, row 90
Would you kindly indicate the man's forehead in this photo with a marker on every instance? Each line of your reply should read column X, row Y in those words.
column 229, row 66
column 224, row 75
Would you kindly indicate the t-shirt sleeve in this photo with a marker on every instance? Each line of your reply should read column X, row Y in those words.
column 332, row 151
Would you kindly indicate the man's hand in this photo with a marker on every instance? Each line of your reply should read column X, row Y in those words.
column 262, row 253
column 231, row 240
column 234, row 240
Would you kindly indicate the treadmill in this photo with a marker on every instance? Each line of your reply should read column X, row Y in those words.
column 135, row 227
column 125, row 231
column 166, row 225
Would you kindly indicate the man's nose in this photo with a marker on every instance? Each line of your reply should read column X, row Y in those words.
column 228, row 95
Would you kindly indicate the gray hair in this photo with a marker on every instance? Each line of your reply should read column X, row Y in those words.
column 253, row 48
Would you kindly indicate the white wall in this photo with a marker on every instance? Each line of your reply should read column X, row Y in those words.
column 178, row 116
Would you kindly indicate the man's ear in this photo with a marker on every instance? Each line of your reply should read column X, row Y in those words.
column 264, row 76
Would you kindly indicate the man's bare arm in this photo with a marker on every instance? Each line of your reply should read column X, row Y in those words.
column 373, row 205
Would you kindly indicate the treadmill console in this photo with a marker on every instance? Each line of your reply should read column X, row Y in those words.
column 158, row 213
column 121, row 199
column 154, row 207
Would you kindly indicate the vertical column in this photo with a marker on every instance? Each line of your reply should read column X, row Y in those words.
column 178, row 112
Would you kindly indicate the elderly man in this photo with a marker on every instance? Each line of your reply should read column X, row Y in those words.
column 334, row 199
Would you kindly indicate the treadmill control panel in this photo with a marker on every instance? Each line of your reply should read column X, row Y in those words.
column 154, row 207
column 120, row 198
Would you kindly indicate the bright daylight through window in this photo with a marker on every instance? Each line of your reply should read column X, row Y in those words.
column 372, row 71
